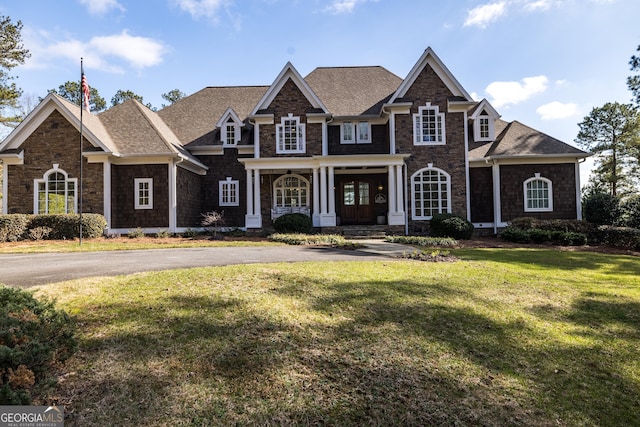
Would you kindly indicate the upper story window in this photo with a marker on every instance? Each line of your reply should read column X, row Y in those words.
column 143, row 193
column 290, row 135
column 229, row 192
column 55, row 193
column 355, row 133
column 483, row 122
column 428, row 126
column 483, row 118
column 538, row 194
column 230, row 134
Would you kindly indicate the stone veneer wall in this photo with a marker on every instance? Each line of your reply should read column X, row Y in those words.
column 563, row 180
column 450, row 157
column 56, row 140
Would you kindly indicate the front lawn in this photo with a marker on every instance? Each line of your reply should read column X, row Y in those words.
column 505, row 337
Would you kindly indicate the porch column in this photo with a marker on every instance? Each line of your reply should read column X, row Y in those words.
column 399, row 190
column 316, row 198
column 497, row 206
column 323, row 190
column 332, row 192
column 106, row 197
column 392, row 190
column 253, row 218
column 249, row 192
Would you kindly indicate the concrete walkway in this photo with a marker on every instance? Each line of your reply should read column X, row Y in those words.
column 25, row 270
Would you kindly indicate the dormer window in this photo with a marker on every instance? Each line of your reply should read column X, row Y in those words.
column 483, row 122
column 230, row 127
column 231, row 134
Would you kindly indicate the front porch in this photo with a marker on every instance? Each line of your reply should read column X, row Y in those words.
column 334, row 191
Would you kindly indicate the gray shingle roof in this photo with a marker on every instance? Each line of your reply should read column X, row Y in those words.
column 353, row 91
column 195, row 116
column 515, row 139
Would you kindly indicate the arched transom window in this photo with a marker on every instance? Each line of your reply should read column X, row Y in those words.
column 431, row 191
column 291, row 191
column 55, row 193
column 538, row 194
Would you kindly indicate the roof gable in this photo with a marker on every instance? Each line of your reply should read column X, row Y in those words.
column 93, row 130
column 229, row 114
column 485, row 106
column 429, row 57
column 288, row 73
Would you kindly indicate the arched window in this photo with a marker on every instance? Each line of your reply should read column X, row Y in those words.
column 55, row 193
column 538, row 194
column 291, row 191
column 431, row 191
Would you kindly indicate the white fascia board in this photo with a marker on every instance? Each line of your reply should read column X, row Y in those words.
column 262, row 119
column 289, row 71
column 225, row 118
column 535, row 158
column 459, row 106
column 372, row 119
column 245, row 149
column 370, row 160
column 429, row 57
column 279, row 163
column 398, row 108
column 208, row 150
column 12, row 158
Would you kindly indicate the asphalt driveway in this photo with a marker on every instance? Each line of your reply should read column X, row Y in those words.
column 25, row 270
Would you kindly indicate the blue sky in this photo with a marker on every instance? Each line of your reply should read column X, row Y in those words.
column 546, row 63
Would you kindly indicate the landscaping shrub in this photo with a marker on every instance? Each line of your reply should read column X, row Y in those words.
column 449, row 225
column 39, row 233
column 293, row 223
column 13, row 227
column 601, row 208
column 630, row 212
column 516, row 235
column 136, row 233
column 422, row 241
column 537, row 235
column 34, row 337
column 621, row 237
column 68, row 226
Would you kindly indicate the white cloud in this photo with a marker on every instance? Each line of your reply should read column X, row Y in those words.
column 100, row 7
column 482, row 15
column 101, row 52
column 201, row 8
column 557, row 110
column 538, row 5
column 505, row 93
column 338, row 7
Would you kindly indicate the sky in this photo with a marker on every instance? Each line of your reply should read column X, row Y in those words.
column 545, row 63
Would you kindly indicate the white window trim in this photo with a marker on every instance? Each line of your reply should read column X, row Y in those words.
column 537, row 177
column 417, row 138
column 236, row 133
column 136, row 193
column 355, row 133
column 234, row 187
column 414, row 214
column 304, row 203
column 45, row 180
column 300, row 136
column 476, row 129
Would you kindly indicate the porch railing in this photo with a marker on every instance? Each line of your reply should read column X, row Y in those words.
column 277, row 212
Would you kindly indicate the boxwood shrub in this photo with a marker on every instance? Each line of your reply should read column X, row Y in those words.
column 449, row 225
column 34, row 337
column 293, row 223
column 16, row 227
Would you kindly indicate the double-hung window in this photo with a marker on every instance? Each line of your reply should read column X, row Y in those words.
column 355, row 133
column 231, row 134
column 428, row 126
column 228, row 191
column 538, row 194
column 143, row 193
column 290, row 135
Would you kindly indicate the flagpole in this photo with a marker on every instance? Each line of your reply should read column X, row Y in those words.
column 81, row 142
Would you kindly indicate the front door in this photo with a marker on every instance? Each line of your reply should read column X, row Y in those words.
column 357, row 205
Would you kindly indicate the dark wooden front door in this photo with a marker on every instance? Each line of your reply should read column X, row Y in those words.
column 357, row 203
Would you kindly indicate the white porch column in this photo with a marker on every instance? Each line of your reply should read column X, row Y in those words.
column 316, row 198
column 578, row 192
column 392, row 190
column 332, row 192
column 5, row 188
column 497, row 204
column 323, row 190
column 173, row 197
column 253, row 218
column 106, row 187
column 399, row 191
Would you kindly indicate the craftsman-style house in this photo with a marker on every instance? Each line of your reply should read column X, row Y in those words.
column 344, row 145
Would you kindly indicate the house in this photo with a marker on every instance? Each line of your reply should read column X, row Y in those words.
column 344, row 145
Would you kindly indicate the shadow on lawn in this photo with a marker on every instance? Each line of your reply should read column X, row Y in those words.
column 397, row 355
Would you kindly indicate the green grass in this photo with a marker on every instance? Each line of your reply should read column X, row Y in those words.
column 506, row 337
column 89, row 245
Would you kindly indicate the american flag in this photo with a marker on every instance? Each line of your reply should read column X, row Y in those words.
column 85, row 91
